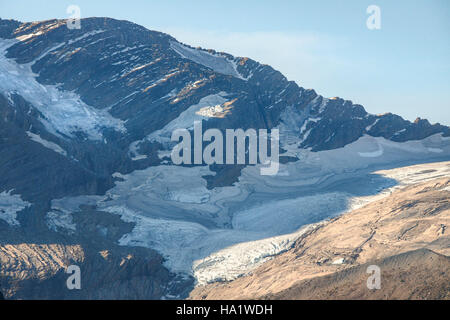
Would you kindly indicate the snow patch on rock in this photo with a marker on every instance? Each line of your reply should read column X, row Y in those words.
column 60, row 220
column 10, row 205
column 185, row 120
column 47, row 144
column 216, row 62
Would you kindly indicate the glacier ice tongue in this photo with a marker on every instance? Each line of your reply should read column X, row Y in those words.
column 10, row 205
column 64, row 112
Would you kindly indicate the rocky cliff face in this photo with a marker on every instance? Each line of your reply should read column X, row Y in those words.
column 79, row 109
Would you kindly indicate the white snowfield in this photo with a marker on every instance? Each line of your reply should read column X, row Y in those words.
column 186, row 119
column 63, row 111
column 223, row 233
column 216, row 62
column 48, row 144
column 10, row 205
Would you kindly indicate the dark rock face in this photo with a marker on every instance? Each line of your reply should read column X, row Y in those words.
column 139, row 77
column 25, row 164
column 7, row 28
column 342, row 122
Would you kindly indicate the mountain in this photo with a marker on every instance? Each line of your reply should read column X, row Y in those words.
column 86, row 117
column 117, row 82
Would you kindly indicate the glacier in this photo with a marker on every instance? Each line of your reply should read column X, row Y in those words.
column 64, row 113
column 222, row 233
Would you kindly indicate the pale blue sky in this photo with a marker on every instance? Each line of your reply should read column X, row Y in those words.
column 324, row 44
